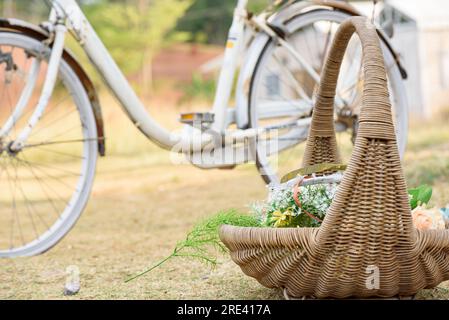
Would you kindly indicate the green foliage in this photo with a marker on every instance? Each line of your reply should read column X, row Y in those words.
column 420, row 195
column 209, row 20
column 30, row 10
column 134, row 31
column 198, row 88
column 203, row 242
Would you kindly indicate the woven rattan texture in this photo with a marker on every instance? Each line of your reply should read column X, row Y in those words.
column 368, row 227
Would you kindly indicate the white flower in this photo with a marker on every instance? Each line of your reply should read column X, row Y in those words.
column 259, row 209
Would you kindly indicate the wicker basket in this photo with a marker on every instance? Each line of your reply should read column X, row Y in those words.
column 368, row 229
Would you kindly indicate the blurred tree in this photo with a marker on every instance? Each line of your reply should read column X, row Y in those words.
column 9, row 8
column 30, row 10
column 209, row 20
column 134, row 31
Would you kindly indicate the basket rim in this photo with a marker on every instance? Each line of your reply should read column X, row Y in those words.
column 267, row 227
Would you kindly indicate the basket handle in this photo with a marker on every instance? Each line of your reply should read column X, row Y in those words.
column 375, row 119
column 373, row 188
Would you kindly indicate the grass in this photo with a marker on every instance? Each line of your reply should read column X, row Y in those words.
column 203, row 242
column 142, row 205
column 427, row 156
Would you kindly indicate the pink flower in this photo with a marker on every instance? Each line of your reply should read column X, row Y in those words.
column 421, row 220
column 427, row 219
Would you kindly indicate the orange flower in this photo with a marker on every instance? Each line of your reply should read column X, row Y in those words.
column 426, row 219
column 421, row 220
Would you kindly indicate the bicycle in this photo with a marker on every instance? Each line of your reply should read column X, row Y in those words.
column 49, row 143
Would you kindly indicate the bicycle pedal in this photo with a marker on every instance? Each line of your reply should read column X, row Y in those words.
column 197, row 118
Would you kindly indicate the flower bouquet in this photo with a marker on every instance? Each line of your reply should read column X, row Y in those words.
column 424, row 217
column 301, row 201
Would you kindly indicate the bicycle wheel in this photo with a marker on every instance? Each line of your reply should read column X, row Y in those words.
column 282, row 93
column 45, row 185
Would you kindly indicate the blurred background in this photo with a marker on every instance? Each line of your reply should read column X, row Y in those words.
column 171, row 51
column 172, row 48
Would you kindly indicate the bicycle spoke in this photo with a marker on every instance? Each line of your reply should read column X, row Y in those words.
column 26, row 200
column 41, row 184
column 326, row 43
column 59, row 142
column 49, row 109
column 60, row 153
column 296, row 86
column 50, row 167
column 64, row 132
column 53, row 122
column 8, row 98
column 47, row 185
column 15, row 218
column 288, row 101
column 271, row 72
column 307, row 42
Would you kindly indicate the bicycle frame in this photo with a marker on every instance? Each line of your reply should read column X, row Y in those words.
column 69, row 11
column 66, row 15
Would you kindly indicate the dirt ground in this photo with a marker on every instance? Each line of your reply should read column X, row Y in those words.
column 137, row 213
column 142, row 205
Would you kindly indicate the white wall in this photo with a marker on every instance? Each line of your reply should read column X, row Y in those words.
column 406, row 42
column 434, row 61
